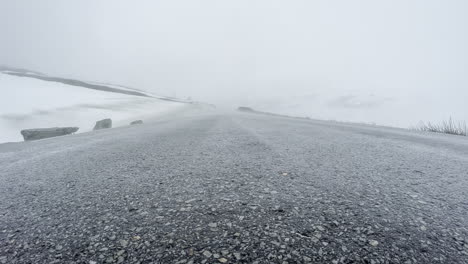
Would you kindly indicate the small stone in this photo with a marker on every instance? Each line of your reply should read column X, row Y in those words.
column 92, row 262
column 213, row 225
column 307, row 259
column 41, row 133
column 374, row 243
column 222, row 260
column 207, row 253
column 123, row 243
column 423, row 228
column 103, row 124
column 216, row 256
column 137, row 122
column 285, row 174
column 237, row 256
column 136, row 237
column 58, row 247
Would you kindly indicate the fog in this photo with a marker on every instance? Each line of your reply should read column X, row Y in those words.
column 386, row 62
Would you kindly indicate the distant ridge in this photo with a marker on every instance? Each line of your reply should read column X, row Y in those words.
column 95, row 86
column 4, row 69
column 40, row 76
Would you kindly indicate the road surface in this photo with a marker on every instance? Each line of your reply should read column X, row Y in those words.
column 236, row 188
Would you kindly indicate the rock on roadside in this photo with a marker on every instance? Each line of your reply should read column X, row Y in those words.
column 245, row 109
column 40, row 133
column 137, row 122
column 103, row 124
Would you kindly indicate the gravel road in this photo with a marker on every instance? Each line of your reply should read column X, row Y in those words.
column 236, row 188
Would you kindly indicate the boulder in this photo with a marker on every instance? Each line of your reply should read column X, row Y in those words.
column 137, row 122
column 102, row 124
column 40, row 133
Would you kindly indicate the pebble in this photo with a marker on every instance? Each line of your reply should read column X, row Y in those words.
column 123, row 243
column 374, row 243
column 207, row 254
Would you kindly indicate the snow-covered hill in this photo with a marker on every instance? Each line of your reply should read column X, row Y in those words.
column 30, row 102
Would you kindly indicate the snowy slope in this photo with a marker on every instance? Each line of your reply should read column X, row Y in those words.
column 29, row 103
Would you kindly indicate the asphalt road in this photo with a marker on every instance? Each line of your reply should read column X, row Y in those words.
column 236, row 188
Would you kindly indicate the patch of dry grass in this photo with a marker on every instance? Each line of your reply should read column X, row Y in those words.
column 447, row 127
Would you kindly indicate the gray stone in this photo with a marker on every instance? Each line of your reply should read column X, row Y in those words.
column 102, row 124
column 245, row 109
column 137, row 122
column 40, row 133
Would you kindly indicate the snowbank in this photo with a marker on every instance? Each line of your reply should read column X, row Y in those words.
column 33, row 103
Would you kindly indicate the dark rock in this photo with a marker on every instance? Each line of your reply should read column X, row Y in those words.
column 137, row 122
column 245, row 109
column 102, row 124
column 40, row 133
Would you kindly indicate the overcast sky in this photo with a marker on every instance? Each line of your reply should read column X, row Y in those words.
column 390, row 62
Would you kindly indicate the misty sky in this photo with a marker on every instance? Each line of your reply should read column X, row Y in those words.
column 390, row 62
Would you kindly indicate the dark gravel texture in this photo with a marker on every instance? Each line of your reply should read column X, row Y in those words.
column 236, row 188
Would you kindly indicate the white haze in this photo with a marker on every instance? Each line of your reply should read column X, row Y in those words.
column 389, row 62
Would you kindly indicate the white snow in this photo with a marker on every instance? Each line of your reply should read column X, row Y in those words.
column 33, row 103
